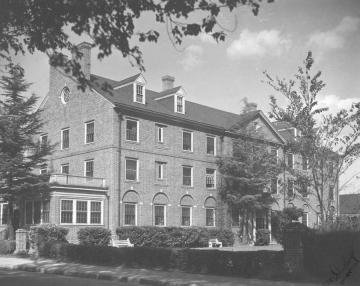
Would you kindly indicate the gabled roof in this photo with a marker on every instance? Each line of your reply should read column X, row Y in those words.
column 198, row 113
column 350, row 204
column 128, row 80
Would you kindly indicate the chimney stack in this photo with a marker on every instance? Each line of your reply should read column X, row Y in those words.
column 85, row 61
column 167, row 82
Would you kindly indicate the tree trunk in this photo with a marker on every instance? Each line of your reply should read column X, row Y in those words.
column 10, row 222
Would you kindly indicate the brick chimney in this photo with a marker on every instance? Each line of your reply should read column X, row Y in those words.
column 167, row 82
column 85, row 61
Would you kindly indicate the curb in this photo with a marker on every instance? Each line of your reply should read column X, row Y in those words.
column 99, row 275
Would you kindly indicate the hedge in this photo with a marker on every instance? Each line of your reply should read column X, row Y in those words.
column 262, row 264
column 150, row 236
column 330, row 252
column 98, row 236
column 7, row 246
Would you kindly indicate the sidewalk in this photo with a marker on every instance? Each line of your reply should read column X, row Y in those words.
column 140, row 276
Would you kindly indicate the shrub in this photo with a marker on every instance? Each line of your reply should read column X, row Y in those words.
column 344, row 223
column 39, row 235
column 150, row 236
column 98, row 236
column 7, row 246
column 262, row 237
column 262, row 264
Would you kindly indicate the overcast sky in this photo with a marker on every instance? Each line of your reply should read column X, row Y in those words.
column 221, row 75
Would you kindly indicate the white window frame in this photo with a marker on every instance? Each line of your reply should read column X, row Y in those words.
column 214, row 137
column 137, row 129
column 86, row 131
column 214, row 187
column 136, row 214
column 159, row 128
column 64, row 165
column 307, row 218
column 62, row 138
column 88, row 210
column 164, row 206
column 192, row 175
column 137, row 168
column 182, row 103
column 293, row 160
column 135, row 92
column 2, row 212
column 85, row 163
column 214, row 217
column 192, row 141
column 191, row 222
column 160, row 166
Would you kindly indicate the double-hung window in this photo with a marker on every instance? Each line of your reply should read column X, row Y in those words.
column 304, row 218
column 89, row 168
column 65, row 138
column 187, row 176
column 66, row 211
column 89, row 132
column 130, row 214
column 187, row 140
column 185, row 216
column 43, row 140
column 180, row 104
column 210, row 178
column 210, row 217
column 290, row 160
column 160, row 133
column 139, row 97
column 65, row 169
column 132, row 130
column 210, row 145
column 32, row 212
column 160, row 170
column 81, row 212
column 131, row 169
column 159, row 215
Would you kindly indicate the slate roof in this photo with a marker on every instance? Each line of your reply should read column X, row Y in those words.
column 350, row 204
column 193, row 111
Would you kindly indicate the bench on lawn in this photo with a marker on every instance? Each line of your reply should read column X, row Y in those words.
column 122, row 243
column 215, row 243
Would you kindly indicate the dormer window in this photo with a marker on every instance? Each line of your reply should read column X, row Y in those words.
column 180, row 104
column 140, row 94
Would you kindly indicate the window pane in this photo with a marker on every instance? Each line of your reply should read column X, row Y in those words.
column 139, row 93
column 210, row 149
column 131, row 130
column 65, row 169
column 45, row 212
column 37, row 212
column 81, row 212
column 210, row 178
column 131, row 169
column 187, row 141
column 185, row 216
column 65, row 138
column 89, row 165
column 179, row 104
column 95, row 213
column 260, row 222
column 160, row 133
column 90, row 132
column 66, row 211
column 129, row 214
column 28, row 212
column 210, row 217
column 187, row 178
column 159, row 215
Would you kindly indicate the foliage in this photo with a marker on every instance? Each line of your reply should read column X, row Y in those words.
column 328, row 142
column 330, row 255
column 247, row 174
column 7, row 246
column 20, row 152
column 39, row 25
column 150, row 236
column 262, row 237
column 98, row 236
column 281, row 218
column 342, row 223
column 261, row 264
column 40, row 235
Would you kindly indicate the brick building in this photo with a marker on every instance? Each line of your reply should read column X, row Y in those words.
column 132, row 156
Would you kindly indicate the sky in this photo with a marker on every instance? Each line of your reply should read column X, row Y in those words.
column 221, row 75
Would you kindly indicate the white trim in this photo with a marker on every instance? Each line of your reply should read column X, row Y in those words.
column 86, row 130
column 62, row 138
column 1, row 212
column 63, row 165
column 214, row 217
column 161, row 128
column 192, row 175
column 88, row 211
column 192, row 140
column 214, row 137
column 122, row 85
column 136, row 213
column 135, row 84
column 79, row 195
column 164, row 206
column 307, row 218
column 182, row 103
column 86, row 161
column 191, row 223
column 137, row 168
column 137, row 129
column 165, row 96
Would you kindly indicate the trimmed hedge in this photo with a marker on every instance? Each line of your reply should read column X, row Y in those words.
column 261, row 264
column 7, row 246
column 150, row 236
column 325, row 253
column 98, row 236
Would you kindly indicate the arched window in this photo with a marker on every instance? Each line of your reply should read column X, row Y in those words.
column 130, row 201
column 210, row 211
column 186, row 204
column 160, row 201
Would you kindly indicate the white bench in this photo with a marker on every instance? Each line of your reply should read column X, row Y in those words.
column 214, row 243
column 121, row 243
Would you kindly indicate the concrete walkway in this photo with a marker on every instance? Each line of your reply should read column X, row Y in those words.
column 140, row 276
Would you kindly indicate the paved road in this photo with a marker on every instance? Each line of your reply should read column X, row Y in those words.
column 21, row 278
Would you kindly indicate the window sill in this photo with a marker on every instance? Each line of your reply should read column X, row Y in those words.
column 163, row 184
column 89, row 143
column 188, row 151
column 211, row 189
column 187, row 187
column 132, row 182
column 131, row 141
column 81, row 224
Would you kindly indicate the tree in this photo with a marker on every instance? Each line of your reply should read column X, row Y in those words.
column 328, row 144
column 39, row 25
column 20, row 153
column 246, row 178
